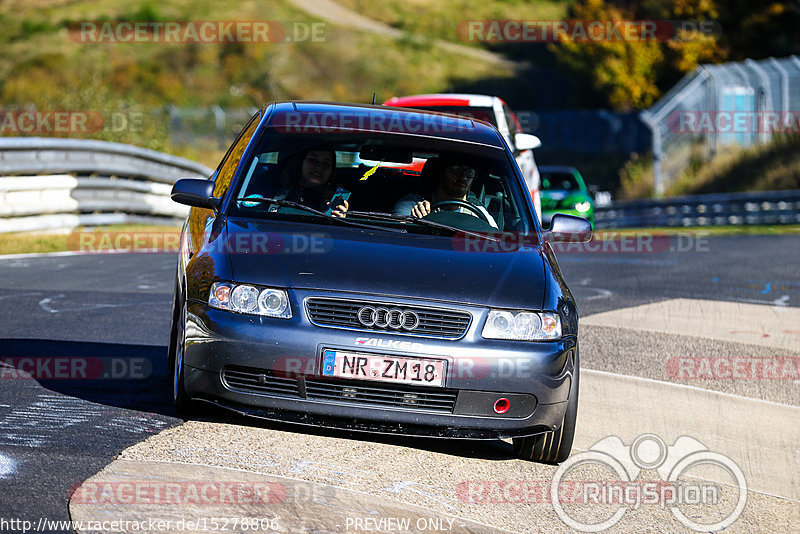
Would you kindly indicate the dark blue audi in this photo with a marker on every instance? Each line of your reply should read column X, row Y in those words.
column 377, row 269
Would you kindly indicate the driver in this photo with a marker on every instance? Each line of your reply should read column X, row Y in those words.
column 453, row 183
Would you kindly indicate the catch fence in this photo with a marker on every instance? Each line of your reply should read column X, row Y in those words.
column 742, row 103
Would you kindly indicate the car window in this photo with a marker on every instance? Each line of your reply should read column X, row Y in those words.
column 559, row 181
column 382, row 174
column 231, row 161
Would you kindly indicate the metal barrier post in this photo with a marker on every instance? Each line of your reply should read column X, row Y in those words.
column 219, row 119
column 658, row 181
column 766, row 100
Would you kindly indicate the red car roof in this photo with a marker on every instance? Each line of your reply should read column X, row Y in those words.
column 410, row 101
column 465, row 100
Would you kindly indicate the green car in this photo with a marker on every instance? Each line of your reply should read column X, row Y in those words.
column 564, row 191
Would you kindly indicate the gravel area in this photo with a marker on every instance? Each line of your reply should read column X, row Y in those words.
column 433, row 479
column 439, row 475
column 647, row 354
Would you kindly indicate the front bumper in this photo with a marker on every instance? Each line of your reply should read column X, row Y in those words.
column 283, row 358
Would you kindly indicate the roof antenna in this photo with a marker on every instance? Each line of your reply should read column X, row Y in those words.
column 374, row 98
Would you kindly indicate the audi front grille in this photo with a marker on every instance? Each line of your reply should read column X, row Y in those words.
column 355, row 392
column 372, row 316
column 258, row 381
column 379, row 395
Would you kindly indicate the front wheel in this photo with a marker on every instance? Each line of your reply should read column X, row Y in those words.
column 553, row 447
column 177, row 343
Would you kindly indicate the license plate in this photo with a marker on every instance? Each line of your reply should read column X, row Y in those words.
column 382, row 368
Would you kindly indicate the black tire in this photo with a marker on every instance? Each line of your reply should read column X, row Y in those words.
column 180, row 399
column 553, row 447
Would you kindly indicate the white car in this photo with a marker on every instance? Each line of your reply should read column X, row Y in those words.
column 493, row 110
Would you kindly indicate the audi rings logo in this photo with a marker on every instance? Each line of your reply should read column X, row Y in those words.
column 393, row 318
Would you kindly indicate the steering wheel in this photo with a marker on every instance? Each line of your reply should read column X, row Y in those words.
column 461, row 204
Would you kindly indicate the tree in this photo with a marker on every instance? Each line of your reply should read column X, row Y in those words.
column 631, row 72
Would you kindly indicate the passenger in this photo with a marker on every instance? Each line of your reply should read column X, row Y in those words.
column 452, row 181
column 308, row 181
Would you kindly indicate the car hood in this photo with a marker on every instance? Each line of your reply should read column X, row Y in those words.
column 339, row 258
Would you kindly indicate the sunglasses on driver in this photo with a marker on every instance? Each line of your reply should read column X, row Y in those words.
column 463, row 170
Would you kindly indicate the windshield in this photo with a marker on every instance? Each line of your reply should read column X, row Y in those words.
column 563, row 181
column 382, row 180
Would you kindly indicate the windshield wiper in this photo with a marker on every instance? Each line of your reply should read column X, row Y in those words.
column 423, row 222
column 302, row 207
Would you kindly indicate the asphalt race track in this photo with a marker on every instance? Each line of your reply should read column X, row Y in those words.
column 647, row 318
column 55, row 433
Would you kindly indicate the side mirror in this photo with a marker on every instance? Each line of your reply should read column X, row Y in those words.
column 195, row 192
column 568, row 228
column 523, row 141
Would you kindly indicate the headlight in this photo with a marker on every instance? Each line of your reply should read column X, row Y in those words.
column 583, row 207
column 522, row 326
column 244, row 298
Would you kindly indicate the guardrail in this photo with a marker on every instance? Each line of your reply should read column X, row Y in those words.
column 763, row 207
column 97, row 183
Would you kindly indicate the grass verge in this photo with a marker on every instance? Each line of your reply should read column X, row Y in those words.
column 129, row 237
column 449, row 19
column 771, row 167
